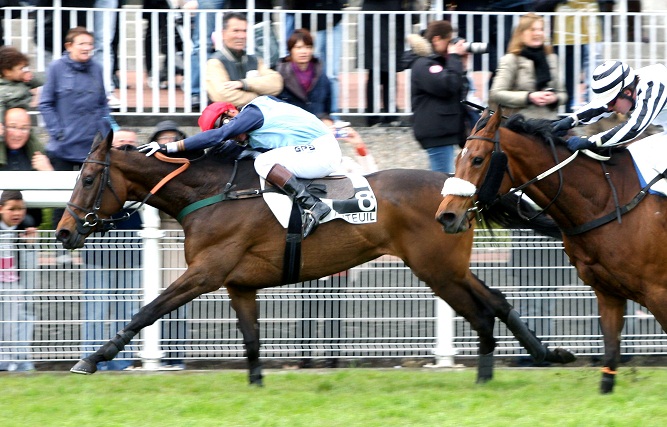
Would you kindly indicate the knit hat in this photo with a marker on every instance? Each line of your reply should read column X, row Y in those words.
column 166, row 125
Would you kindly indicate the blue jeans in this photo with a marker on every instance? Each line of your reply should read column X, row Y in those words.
column 195, row 78
column 442, row 158
column 321, row 43
column 108, row 307
column 105, row 28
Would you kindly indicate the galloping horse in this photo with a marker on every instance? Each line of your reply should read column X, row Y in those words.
column 617, row 250
column 240, row 245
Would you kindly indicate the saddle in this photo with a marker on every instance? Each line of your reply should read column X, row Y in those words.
column 350, row 197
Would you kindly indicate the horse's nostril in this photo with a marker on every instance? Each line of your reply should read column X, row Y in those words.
column 62, row 235
column 446, row 218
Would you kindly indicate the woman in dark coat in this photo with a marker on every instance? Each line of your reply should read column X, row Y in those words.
column 306, row 84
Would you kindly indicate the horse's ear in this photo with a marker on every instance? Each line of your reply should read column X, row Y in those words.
column 496, row 118
column 98, row 140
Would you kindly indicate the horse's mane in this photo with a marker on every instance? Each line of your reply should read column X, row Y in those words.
column 540, row 128
column 505, row 213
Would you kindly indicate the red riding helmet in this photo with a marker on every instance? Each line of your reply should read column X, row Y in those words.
column 212, row 117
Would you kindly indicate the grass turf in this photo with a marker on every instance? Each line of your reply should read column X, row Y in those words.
column 339, row 397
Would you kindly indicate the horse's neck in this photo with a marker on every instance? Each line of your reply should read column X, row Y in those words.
column 199, row 181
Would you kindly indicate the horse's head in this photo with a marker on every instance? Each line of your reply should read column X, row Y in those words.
column 93, row 199
column 480, row 169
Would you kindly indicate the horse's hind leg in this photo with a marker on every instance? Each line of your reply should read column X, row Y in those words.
column 612, row 310
column 245, row 304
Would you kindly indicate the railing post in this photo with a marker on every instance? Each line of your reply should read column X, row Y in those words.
column 151, row 355
column 444, row 350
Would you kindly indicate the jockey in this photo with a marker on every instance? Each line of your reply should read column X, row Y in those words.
column 618, row 88
column 298, row 145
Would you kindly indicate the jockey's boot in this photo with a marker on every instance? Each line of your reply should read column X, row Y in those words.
column 314, row 208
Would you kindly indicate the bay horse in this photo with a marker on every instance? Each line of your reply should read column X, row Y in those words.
column 617, row 250
column 240, row 245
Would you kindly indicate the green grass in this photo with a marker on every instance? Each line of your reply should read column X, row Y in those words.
column 340, row 397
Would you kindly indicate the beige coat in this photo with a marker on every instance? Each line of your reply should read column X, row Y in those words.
column 265, row 82
column 515, row 79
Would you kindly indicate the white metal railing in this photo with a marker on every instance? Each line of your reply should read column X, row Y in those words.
column 375, row 310
column 608, row 39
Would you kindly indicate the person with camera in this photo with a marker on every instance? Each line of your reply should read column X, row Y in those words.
column 527, row 79
column 439, row 84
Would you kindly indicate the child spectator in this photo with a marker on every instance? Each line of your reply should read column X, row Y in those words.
column 16, row 85
column 16, row 280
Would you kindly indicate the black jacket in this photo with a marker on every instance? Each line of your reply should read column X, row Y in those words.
column 317, row 99
column 438, row 86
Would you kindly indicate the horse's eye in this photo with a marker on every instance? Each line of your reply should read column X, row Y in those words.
column 88, row 181
column 477, row 161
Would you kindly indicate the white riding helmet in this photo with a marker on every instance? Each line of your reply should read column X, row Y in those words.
column 609, row 80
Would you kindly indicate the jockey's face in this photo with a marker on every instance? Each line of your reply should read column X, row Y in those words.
column 623, row 102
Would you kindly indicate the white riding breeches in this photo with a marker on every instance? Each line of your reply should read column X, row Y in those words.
column 319, row 158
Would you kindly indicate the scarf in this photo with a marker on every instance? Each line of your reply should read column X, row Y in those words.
column 542, row 73
column 305, row 77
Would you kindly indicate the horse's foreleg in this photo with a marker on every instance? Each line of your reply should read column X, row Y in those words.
column 245, row 304
column 459, row 296
column 611, row 310
column 183, row 290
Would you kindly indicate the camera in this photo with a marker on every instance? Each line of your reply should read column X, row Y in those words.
column 340, row 133
column 475, row 47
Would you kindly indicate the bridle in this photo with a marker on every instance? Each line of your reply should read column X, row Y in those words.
column 487, row 194
column 91, row 221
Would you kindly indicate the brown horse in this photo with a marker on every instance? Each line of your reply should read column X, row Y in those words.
column 240, row 245
column 618, row 251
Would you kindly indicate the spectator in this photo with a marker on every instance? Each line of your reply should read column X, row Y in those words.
column 328, row 54
column 573, row 32
column 439, row 84
column 305, row 82
column 234, row 76
column 73, row 104
column 112, row 279
column 209, row 19
column 377, row 53
column 262, row 30
column 527, row 79
column 17, row 280
column 17, row 80
column 21, row 150
column 104, row 30
column 158, row 74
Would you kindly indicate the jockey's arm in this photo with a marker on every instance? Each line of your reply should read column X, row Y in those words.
column 249, row 119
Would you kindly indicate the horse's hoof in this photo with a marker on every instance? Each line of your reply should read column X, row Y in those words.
column 84, row 367
column 561, row 355
column 607, row 383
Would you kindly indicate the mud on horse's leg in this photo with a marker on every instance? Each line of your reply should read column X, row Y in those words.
column 108, row 351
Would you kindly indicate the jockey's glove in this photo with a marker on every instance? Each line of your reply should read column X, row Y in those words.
column 579, row 143
column 560, row 127
column 152, row 147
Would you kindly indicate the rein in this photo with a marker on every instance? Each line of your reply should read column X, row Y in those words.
column 583, row 228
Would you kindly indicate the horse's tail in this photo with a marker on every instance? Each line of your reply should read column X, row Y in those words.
column 511, row 211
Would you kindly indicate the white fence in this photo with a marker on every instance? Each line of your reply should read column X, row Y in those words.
column 353, row 48
column 77, row 300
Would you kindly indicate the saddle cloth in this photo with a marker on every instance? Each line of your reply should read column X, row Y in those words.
column 349, row 196
column 650, row 158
